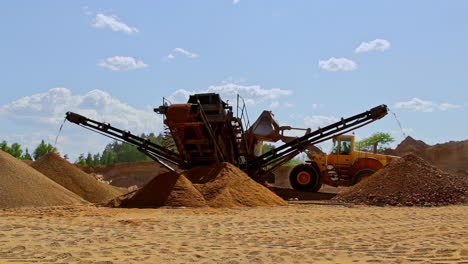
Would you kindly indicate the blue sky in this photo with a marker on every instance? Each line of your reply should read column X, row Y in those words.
column 115, row 60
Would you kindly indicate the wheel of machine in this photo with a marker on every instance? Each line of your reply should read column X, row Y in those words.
column 362, row 174
column 305, row 178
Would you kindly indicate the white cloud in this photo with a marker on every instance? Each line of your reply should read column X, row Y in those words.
column 420, row 105
column 122, row 63
column 186, row 53
column 278, row 104
column 275, row 104
column 113, row 23
column 317, row 121
column 50, row 108
column 235, row 2
column 170, row 56
column 374, row 45
column 316, row 106
column 252, row 94
column 40, row 115
column 446, row 106
column 86, row 10
column 337, row 64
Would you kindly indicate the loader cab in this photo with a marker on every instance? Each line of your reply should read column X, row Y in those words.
column 342, row 155
column 343, row 145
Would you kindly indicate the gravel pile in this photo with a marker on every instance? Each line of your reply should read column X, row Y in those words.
column 409, row 181
column 225, row 185
column 168, row 189
column 221, row 185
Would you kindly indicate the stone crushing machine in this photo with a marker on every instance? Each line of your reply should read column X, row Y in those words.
column 206, row 130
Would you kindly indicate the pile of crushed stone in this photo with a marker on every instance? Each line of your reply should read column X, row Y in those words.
column 221, row 185
column 408, row 181
column 225, row 185
column 74, row 179
column 168, row 189
column 410, row 145
column 23, row 186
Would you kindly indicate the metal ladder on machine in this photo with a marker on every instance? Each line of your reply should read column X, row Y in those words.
column 239, row 131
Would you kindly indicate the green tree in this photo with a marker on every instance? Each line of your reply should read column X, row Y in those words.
column 89, row 159
column 108, row 157
column 375, row 142
column 26, row 155
column 4, row 146
column 14, row 150
column 81, row 160
column 96, row 159
column 43, row 149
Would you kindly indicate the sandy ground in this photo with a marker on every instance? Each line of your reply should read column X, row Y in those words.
column 297, row 233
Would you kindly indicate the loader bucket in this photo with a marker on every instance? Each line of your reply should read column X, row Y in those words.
column 266, row 128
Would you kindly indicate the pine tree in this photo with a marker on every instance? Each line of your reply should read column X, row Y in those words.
column 43, row 149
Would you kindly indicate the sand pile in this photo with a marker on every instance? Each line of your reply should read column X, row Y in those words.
column 168, row 189
column 220, row 185
column 75, row 180
column 23, row 186
column 225, row 185
column 409, row 181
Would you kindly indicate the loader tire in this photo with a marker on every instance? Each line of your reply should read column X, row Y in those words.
column 305, row 178
column 362, row 174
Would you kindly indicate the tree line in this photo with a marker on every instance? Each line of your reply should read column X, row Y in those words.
column 16, row 150
column 114, row 152
column 119, row 152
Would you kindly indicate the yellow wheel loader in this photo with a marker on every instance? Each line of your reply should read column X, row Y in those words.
column 344, row 166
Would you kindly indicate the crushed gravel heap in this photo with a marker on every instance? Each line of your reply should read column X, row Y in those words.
column 168, row 189
column 23, row 186
column 409, row 145
column 221, row 185
column 74, row 179
column 409, row 181
column 225, row 185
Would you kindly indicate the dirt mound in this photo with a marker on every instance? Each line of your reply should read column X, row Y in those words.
column 127, row 174
column 220, row 185
column 410, row 144
column 225, row 185
column 409, row 181
column 23, row 186
column 451, row 156
column 168, row 189
column 75, row 180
